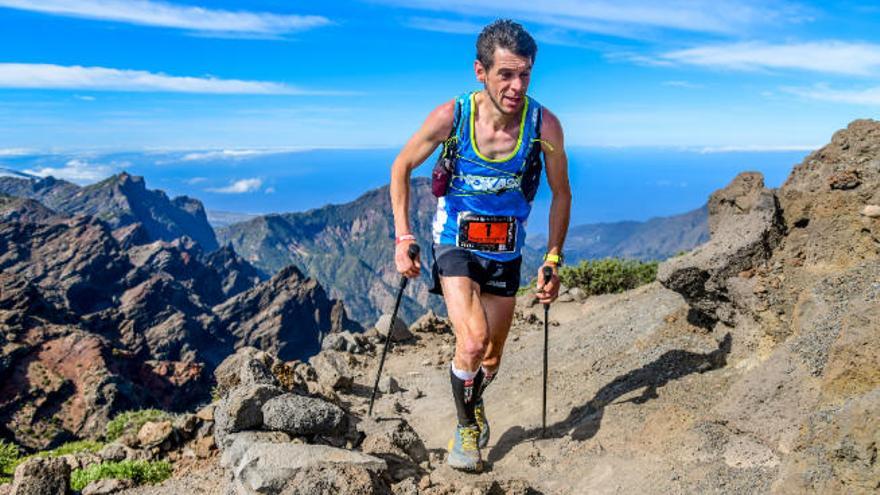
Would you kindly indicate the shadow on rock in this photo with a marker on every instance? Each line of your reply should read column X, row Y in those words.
column 584, row 421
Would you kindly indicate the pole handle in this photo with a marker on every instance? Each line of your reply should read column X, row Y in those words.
column 413, row 251
column 548, row 274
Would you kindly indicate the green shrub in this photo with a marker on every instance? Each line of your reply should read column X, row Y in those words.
column 72, row 448
column 138, row 471
column 608, row 275
column 9, row 459
column 132, row 421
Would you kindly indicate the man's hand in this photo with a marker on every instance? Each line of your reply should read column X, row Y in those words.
column 405, row 266
column 547, row 290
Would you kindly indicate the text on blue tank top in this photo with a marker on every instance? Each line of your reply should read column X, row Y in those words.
column 486, row 186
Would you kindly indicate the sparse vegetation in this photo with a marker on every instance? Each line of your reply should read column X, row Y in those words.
column 131, row 421
column 608, row 275
column 140, row 472
column 76, row 447
column 9, row 458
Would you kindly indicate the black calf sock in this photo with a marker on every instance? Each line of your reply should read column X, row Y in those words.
column 466, row 394
column 484, row 382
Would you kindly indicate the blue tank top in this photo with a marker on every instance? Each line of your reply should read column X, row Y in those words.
column 485, row 186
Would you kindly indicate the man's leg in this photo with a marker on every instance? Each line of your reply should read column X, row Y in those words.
column 463, row 303
column 469, row 323
column 499, row 315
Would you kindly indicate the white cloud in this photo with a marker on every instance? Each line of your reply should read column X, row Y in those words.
column 77, row 170
column 15, row 151
column 822, row 92
column 85, row 97
column 225, row 154
column 758, row 147
column 443, row 25
column 836, row 57
column 613, row 17
column 269, row 190
column 682, row 84
column 239, row 187
column 196, row 180
column 163, row 14
column 49, row 76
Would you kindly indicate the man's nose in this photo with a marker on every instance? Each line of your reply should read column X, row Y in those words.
column 517, row 84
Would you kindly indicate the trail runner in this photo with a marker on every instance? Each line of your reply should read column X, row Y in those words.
column 494, row 142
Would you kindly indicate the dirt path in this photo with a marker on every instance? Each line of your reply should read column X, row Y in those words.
column 629, row 354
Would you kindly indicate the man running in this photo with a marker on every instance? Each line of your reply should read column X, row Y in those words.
column 494, row 139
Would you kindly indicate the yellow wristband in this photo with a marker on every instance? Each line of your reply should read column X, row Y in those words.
column 553, row 258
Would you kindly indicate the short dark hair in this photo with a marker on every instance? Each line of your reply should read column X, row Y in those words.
column 504, row 33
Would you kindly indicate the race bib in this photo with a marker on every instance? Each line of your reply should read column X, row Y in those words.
column 486, row 232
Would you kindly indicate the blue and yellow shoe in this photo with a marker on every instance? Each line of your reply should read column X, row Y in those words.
column 482, row 423
column 464, row 454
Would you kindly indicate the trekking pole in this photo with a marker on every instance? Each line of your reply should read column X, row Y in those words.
column 412, row 252
column 548, row 274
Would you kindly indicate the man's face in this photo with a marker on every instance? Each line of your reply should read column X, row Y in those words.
column 507, row 80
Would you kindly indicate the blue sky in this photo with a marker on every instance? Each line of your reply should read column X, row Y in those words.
column 235, row 75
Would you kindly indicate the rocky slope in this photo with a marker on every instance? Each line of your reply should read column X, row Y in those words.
column 751, row 367
column 120, row 200
column 94, row 321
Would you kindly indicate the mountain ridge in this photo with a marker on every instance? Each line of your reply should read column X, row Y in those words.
column 120, row 200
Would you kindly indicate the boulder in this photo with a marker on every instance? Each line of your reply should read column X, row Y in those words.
column 745, row 225
column 114, row 452
column 268, row 467
column 338, row 480
column 41, row 476
column 107, row 486
column 155, row 433
column 186, row 425
column 346, row 342
column 392, row 436
column 242, row 410
column 255, row 372
column 239, row 443
column 333, row 369
column 206, row 413
column 578, row 294
column 240, row 368
column 399, row 332
column 431, row 323
column 203, row 447
column 298, row 415
column 871, row 211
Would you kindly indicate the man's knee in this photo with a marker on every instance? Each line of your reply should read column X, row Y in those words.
column 474, row 345
column 491, row 363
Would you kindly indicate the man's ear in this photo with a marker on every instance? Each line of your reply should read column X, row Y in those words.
column 480, row 71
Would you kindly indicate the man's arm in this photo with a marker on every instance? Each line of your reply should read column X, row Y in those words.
column 556, row 163
column 434, row 131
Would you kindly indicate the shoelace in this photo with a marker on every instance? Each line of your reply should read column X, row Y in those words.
column 478, row 413
column 469, row 438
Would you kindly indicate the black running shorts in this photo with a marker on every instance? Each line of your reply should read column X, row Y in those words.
column 500, row 278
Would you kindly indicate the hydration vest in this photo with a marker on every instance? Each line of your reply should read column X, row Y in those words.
column 476, row 184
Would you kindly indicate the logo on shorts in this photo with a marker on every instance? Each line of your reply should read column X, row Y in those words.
column 497, row 283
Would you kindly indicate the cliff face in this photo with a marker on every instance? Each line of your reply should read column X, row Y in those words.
column 120, row 200
column 794, row 276
column 94, row 321
column 348, row 248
